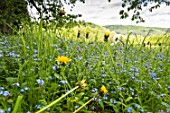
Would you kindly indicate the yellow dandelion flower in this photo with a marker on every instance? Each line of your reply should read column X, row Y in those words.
column 103, row 89
column 73, row 100
column 107, row 33
column 62, row 59
column 83, row 83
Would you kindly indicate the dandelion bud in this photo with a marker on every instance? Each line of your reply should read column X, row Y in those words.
column 78, row 34
column 87, row 35
column 106, row 36
column 61, row 12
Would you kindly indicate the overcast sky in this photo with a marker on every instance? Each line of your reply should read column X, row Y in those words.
column 102, row 13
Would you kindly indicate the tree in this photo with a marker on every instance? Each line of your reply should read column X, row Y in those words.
column 12, row 13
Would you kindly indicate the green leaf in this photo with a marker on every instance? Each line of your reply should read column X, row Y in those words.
column 101, row 104
column 17, row 104
column 114, row 107
column 58, row 76
column 11, row 80
column 80, row 102
column 128, row 99
column 165, row 104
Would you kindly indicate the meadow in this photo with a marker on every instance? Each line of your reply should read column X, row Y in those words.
column 57, row 71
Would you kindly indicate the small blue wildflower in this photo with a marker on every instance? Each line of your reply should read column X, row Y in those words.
column 137, row 80
column 110, row 83
column 48, row 109
column 94, row 90
column 131, row 69
column 102, row 71
column 67, row 91
column 160, row 65
column 54, row 68
column 103, row 75
column 93, row 108
column 153, row 75
column 136, row 74
column 76, row 107
column 118, row 64
column 137, row 106
column 2, row 111
column 159, row 55
column 96, row 99
column 38, row 106
column 120, row 88
column 9, row 109
column 63, row 82
column 36, row 51
column 26, row 88
column 16, row 84
column 59, row 85
column 28, row 112
column 129, row 110
column 124, row 71
column 103, row 63
column 1, row 55
column 168, row 88
column 132, row 77
column 6, row 93
column 80, row 58
column 50, row 77
column 141, row 110
column 168, row 110
column 86, row 107
column 127, row 60
column 22, row 90
column 161, row 95
column 136, row 70
column 74, row 59
column 2, row 88
column 112, row 101
column 105, row 98
column 40, row 82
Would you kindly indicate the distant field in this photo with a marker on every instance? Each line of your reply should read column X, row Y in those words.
column 96, row 33
column 138, row 30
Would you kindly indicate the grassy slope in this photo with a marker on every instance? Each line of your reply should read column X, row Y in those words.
column 139, row 30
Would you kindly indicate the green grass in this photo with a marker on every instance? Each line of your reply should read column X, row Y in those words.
column 136, row 77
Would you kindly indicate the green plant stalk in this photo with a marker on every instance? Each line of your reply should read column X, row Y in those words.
column 57, row 100
column 83, row 105
column 18, row 102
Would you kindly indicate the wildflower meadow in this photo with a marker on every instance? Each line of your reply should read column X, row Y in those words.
column 81, row 71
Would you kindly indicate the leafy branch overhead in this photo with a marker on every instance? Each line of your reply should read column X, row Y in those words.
column 137, row 5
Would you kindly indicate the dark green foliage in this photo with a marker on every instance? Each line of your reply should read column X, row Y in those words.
column 13, row 12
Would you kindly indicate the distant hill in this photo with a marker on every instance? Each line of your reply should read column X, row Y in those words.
column 138, row 30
